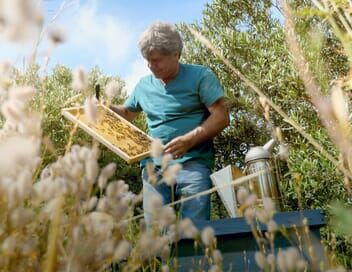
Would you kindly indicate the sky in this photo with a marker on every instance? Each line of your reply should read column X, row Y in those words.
column 105, row 33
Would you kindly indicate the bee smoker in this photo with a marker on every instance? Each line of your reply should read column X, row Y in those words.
column 265, row 185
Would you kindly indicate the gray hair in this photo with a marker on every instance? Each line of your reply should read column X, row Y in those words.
column 162, row 37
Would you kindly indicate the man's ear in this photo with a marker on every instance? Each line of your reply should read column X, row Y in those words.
column 178, row 54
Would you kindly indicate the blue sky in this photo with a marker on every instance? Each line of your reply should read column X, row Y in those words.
column 105, row 33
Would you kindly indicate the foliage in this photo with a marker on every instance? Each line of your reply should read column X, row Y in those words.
column 54, row 94
column 65, row 211
column 251, row 37
column 49, row 206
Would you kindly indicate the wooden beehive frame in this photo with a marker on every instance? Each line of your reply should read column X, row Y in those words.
column 76, row 115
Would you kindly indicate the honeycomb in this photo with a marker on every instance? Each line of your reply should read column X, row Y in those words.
column 119, row 133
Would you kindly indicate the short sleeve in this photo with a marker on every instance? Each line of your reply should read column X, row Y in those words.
column 210, row 89
column 132, row 102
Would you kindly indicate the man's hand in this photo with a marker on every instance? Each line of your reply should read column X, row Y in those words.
column 179, row 146
column 124, row 112
column 212, row 126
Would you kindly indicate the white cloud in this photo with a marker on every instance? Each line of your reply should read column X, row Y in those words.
column 103, row 33
column 138, row 69
column 93, row 38
column 111, row 42
column 100, row 34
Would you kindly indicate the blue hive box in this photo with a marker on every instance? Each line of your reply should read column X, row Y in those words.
column 238, row 246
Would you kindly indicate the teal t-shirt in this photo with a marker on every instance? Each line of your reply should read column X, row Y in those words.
column 178, row 107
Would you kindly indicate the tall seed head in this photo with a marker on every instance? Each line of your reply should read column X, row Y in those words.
column 260, row 260
column 169, row 176
column 80, row 79
column 339, row 104
column 91, row 110
column 56, row 34
column 5, row 68
column 157, row 148
column 242, row 195
column 122, row 251
column 112, row 89
column 207, row 236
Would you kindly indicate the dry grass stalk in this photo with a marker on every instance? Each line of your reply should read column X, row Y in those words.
column 322, row 103
column 236, row 182
column 64, row 5
column 51, row 220
column 254, row 88
column 51, row 261
column 70, row 139
column 341, row 10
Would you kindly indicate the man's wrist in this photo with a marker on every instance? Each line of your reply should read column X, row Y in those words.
column 192, row 136
column 112, row 107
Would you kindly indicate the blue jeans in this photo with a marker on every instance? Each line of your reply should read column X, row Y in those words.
column 192, row 179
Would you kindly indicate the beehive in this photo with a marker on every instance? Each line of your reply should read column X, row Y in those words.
column 119, row 135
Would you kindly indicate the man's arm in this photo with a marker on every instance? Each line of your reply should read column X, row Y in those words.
column 124, row 112
column 212, row 126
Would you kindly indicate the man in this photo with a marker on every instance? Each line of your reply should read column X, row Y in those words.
column 184, row 108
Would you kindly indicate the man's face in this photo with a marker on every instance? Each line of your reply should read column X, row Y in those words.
column 163, row 66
